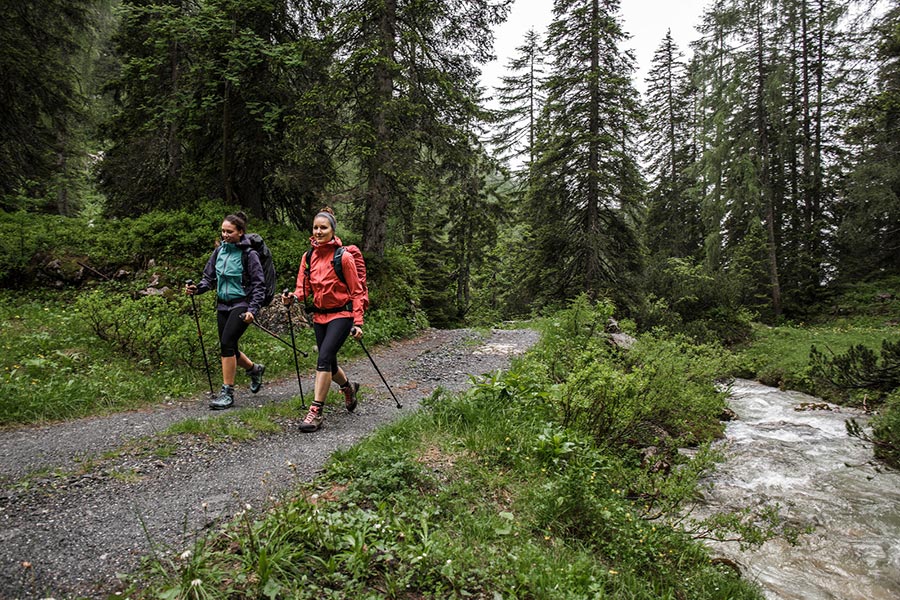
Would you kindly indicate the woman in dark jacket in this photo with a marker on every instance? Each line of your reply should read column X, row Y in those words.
column 337, row 309
column 239, row 297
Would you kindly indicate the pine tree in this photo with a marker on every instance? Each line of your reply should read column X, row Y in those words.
column 41, row 97
column 764, row 69
column 521, row 101
column 868, row 216
column 672, row 226
column 586, row 180
column 223, row 99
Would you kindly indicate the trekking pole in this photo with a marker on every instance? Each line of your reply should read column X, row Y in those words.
column 379, row 373
column 294, row 344
column 200, row 335
column 280, row 339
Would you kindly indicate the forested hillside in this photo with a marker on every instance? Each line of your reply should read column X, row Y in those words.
column 750, row 181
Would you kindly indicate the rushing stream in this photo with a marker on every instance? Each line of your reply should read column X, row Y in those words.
column 804, row 461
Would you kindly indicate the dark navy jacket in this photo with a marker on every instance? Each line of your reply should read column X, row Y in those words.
column 254, row 280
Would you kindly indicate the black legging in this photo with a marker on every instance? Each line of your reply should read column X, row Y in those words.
column 231, row 328
column 330, row 337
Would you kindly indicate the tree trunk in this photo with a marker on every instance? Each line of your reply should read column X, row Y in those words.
column 226, row 146
column 592, row 212
column 765, row 176
column 173, row 144
column 380, row 167
column 63, row 206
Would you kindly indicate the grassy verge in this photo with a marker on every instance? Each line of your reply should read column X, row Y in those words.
column 779, row 356
column 531, row 485
column 55, row 366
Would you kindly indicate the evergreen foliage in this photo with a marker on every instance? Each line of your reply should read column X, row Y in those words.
column 411, row 75
column 585, row 181
column 860, row 368
column 868, row 233
column 42, row 99
column 220, row 99
column 767, row 162
column 521, row 99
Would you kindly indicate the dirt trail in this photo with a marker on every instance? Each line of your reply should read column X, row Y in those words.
column 68, row 525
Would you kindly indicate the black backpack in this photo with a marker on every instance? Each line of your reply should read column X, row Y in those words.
column 268, row 266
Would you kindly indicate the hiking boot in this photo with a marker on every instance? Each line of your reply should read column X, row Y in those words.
column 256, row 372
column 350, row 390
column 313, row 419
column 224, row 400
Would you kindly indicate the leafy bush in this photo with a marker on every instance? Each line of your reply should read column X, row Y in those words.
column 152, row 330
column 661, row 389
column 183, row 239
column 685, row 298
column 54, row 368
column 779, row 356
column 569, row 333
column 860, row 369
column 861, row 303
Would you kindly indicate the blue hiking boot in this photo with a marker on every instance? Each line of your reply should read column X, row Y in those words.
column 256, row 373
column 224, row 400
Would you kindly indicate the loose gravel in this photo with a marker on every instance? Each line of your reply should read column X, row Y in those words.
column 70, row 521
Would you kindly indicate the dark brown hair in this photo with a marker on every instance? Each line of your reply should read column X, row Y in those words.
column 239, row 220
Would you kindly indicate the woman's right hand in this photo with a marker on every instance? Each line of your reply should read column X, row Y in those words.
column 287, row 298
column 190, row 289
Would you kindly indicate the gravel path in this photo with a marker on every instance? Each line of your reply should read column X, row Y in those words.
column 67, row 526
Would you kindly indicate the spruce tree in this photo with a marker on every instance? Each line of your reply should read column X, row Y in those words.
column 585, row 182
column 521, row 99
column 41, row 98
column 221, row 99
column 868, row 214
column 672, row 227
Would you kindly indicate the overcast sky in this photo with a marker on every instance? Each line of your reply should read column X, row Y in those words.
column 646, row 20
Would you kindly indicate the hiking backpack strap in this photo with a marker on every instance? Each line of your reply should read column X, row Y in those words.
column 338, row 265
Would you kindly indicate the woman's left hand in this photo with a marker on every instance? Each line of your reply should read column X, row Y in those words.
column 248, row 317
column 357, row 332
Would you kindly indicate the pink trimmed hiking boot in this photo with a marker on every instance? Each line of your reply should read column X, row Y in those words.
column 314, row 418
column 350, row 390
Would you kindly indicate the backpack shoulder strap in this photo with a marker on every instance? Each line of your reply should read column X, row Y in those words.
column 245, row 276
column 338, row 266
column 308, row 260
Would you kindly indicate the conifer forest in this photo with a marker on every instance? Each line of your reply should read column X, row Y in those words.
column 748, row 179
column 635, row 242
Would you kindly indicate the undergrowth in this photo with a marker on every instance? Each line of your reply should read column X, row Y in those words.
column 495, row 493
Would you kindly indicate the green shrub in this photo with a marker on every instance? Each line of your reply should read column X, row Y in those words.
column 684, row 298
column 151, row 330
column 183, row 239
column 860, row 370
column 54, row 368
column 569, row 333
column 780, row 356
column 886, row 430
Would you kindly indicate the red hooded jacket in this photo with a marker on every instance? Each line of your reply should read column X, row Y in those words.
column 324, row 287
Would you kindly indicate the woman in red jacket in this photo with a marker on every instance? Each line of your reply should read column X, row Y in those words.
column 337, row 312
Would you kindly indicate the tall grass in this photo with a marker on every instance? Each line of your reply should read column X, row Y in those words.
column 779, row 356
